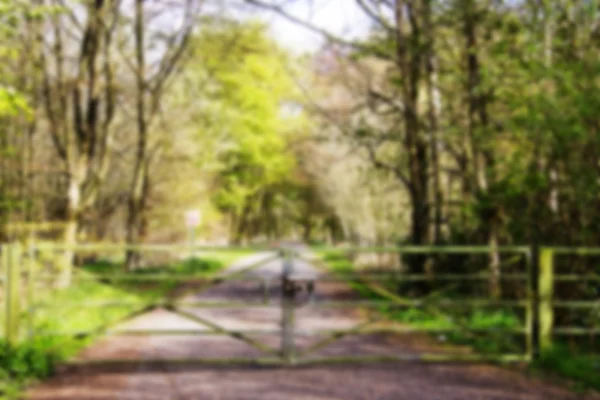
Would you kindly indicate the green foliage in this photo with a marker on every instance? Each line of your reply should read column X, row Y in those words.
column 448, row 319
column 583, row 369
column 246, row 118
column 22, row 363
column 11, row 102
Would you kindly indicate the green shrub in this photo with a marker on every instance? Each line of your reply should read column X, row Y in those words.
column 26, row 360
column 23, row 363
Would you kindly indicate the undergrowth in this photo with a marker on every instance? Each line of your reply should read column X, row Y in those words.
column 580, row 368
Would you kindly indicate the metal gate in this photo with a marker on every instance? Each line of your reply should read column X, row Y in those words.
column 22, row 278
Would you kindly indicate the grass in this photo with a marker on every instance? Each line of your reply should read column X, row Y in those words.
column 35, row 359
column 431, row 317
column 582, row 369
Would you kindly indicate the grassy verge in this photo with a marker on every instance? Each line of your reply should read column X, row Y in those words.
column 36, row 358
column 581, row 369
column 436, row 318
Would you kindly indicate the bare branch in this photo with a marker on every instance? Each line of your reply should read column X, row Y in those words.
column 380, row 19
column 323, row 32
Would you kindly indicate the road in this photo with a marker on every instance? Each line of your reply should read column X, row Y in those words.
column 145, row 379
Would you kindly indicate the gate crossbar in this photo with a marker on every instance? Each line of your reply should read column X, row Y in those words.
column 219, row 329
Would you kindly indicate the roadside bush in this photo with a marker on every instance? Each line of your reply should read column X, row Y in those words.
column 23, row 363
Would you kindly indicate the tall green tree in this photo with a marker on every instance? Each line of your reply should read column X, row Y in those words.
column 246, row 116
column 14, row 106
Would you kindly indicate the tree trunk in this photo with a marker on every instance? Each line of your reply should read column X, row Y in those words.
column 433, row 112
column 483, row 159
column 409, row 59
column 307, row 232
column 495, row 271
column 74, row 194
column 553, row 204
column 136, row 197
column 438, row 197
column 135, row 217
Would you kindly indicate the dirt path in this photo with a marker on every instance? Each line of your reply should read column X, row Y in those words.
column 159, row 380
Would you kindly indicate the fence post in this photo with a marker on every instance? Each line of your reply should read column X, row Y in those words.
column 31, row 281
column 288, row 292
column 531, row 311
column 12, row 267
column 546, row 291
column 4, row 297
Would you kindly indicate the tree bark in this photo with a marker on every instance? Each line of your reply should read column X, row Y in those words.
column 433, row 112
column 134, row 220
column 409, row 57
column 149, row 91
column 483, row 159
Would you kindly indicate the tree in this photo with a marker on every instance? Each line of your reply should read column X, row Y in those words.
column 150, row 89
column 16, row 114
column 448, row 117
column 79, row 101
column 243, row 94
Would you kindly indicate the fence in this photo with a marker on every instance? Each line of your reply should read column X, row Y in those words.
column 437, row 303
column 538, row 304
column 549, row 278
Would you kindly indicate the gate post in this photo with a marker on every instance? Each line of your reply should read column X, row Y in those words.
column 546, row 292
column 288, row 292
column 30, row 282
column 4, row 270
column 531, row 310
column 12, row 274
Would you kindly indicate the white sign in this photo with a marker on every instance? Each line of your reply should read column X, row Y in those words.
column 192, row 218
